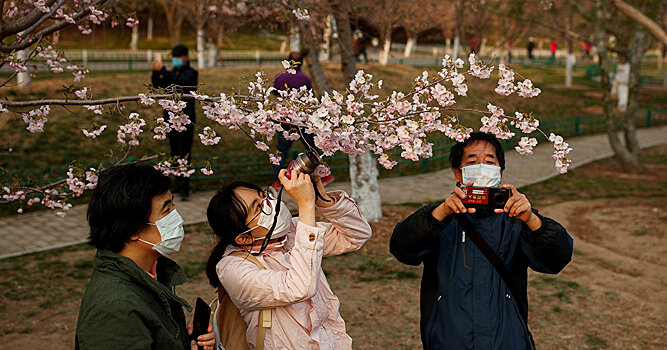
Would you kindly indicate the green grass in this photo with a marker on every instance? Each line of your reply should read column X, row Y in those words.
column 595, row 341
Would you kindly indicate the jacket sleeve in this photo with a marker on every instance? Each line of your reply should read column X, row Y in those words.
column 412, row 239
column 162, row 78
column 347, row 230
column 115, row 325
column 547, row 249
column 252, row 288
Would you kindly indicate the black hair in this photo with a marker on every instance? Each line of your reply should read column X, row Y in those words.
column 121, row 203
column 226, row 215
column 297, row 57
column 179, row 50
column 456, row 153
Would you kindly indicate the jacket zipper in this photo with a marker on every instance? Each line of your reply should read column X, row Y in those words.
column 463, row 248
column 436, row 305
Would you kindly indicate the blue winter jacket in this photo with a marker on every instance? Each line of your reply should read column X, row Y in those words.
column 464, row 302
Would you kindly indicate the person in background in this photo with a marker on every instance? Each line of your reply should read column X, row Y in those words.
column 553, row 46
column 530, row 47
column 286, row 81
column 130, row 301
column 183, row 79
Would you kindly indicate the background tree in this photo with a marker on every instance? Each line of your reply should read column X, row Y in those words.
column 175, row 15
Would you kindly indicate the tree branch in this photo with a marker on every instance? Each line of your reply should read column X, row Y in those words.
column 103, row 101
column 24, row 22
column 642, row 19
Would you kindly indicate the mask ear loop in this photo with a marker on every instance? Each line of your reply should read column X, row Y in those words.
column 273, row 225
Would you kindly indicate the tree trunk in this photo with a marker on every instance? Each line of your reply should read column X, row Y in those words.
column 325, row 48
column 175, row 30
column 620, row 151
column 23, row 79
column 134, row 39
column 283, row 45
column 569, row 60
column 312, row 59
column 294, row 39
column 348, row 64
column 149, row 25
column 457, row 46
column 365, row 187
column 212, row 54
column 622, row 85
column 363, row 168
column 569, row 67
column 386, row 47
column 201, row 48
column 410, row 45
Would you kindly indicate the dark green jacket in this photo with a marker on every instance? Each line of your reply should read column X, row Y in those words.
column 125, row 308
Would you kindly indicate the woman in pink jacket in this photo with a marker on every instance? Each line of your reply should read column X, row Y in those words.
column 305, row 311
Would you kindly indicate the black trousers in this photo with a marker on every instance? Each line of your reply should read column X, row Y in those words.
column 181, row 147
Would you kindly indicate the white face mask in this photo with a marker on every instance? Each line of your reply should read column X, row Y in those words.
column 482, row 175
column 171, row 233
column 283, row 223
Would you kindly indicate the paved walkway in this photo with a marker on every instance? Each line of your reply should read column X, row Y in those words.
column 33, row 232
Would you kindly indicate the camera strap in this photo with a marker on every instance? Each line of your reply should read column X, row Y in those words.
column 273, row 224
column 498, row 264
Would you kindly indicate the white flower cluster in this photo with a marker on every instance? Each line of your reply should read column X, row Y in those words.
column 131, row 130
column 97, row 109
column 179, row 167
column 496, row 124
column 301, row 14
column 561, row 150
column 95, row 132
column 161, row 129
column 208, row 137
column 36, row 118
column 82, row 94
column 97, row 16
column 146, row 100
column 526, row 145
column 76, row 185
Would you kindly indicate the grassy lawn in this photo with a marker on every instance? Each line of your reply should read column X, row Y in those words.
column 578, row 309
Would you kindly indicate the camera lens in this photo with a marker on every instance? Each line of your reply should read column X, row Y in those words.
column 500, row 197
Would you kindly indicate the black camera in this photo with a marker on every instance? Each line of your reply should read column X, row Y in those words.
column 304, row 163
column 485, row 197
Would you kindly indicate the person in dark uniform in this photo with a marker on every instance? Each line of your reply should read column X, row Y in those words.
column 182, row 78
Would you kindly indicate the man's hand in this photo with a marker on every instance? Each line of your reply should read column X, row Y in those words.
column 206, row 340
column 157, row 64
column 452, row 205
column 518, row 206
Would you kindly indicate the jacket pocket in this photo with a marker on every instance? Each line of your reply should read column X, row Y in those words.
column 433, row 317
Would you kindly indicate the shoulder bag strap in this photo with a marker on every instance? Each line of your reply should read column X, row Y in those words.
column 264, row 320
column 498, row 264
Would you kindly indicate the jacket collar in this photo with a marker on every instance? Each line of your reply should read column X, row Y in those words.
column 169, row 274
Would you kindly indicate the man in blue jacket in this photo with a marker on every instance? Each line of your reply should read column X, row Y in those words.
column 465, row 303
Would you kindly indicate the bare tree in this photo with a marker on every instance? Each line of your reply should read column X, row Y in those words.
column 385, row 15
column 419, row 16
column 175, row 13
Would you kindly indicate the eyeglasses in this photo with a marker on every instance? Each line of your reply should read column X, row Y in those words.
column 265, row 206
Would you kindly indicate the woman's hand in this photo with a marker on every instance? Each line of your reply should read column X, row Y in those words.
column 300, row 188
